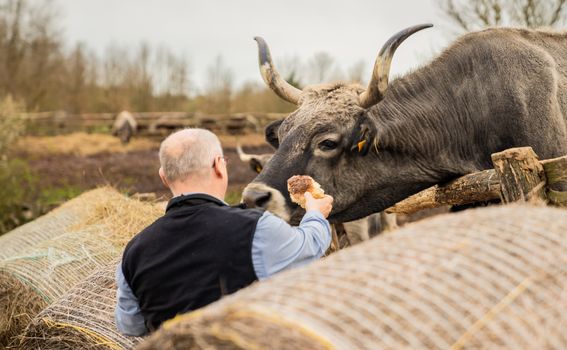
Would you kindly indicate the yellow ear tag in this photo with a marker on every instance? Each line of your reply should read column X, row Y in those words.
column 360, row 145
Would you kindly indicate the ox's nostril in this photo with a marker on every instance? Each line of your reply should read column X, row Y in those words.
column 256, row 199
column 263, row 200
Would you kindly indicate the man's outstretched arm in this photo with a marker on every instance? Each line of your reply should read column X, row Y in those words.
column 277, row 245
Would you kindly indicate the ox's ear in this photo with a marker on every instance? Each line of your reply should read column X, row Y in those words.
column 256, row 165
column 363, row 136
column 272, row 133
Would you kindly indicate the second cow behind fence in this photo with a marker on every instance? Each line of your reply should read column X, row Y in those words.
column 124, row 127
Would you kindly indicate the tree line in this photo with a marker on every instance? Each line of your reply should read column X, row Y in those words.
column 43, row 73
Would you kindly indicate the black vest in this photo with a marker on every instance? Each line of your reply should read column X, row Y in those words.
column 198, row 251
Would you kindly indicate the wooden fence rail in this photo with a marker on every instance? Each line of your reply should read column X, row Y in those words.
column 149, row 123
column 518, row 175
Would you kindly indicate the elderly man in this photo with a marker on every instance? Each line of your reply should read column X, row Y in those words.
column 202, row 249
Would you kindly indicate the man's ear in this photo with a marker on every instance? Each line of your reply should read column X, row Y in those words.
column 162, row 177
column 272, row 133
column 217, row 167
column 363, row 136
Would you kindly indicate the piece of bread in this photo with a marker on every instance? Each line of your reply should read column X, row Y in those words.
column 297, row 185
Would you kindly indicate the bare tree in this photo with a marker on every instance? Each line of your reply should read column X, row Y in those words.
column 140, row 82
column 11, row 124
column 320, row 67
column 171, row 79
column 356, row 72
column 470, row 15
column 219, row 87
column 30, row 55
column 291, row 68
column 171, row 73
column 178, row 75
column 77, row 92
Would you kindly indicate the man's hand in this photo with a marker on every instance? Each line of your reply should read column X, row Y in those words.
column 323, row 205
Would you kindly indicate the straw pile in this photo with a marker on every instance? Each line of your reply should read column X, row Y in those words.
column 54, row 223
column 488, row 278
column 81, row 144
column 40, row 274
column 81, row 319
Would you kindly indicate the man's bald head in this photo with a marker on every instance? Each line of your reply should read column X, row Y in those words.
column 188, row 153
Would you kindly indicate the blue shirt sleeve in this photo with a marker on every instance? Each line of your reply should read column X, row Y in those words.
column 129, row 318
column 277, row 245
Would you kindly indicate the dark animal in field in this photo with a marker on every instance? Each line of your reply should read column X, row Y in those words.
column 372, row 147
column 125, row 126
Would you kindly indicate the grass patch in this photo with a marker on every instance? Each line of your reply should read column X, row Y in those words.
column 17, row 184
column 52, row 197
column 22, row 199
column 233, row 195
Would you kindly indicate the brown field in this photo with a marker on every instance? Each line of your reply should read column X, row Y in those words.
column 83, row 144
column 82, row 161
column 80, row 144
column 64, row 166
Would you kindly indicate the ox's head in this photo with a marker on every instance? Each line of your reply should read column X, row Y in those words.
column 329, row 137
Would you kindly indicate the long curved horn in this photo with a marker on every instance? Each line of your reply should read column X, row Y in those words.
column 379, row 81
column 271, row 76
column 243, row 156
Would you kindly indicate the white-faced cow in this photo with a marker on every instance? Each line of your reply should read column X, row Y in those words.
column 256, row 161
column 370, row 148
column 125, row 126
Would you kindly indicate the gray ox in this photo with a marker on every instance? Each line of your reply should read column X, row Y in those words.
column 356, row 231
column 370, row 148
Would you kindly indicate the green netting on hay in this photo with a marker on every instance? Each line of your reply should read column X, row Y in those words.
column 46, row 271
column 487, row 278
column 40, row 274
column 82, row 318
column 54, row 223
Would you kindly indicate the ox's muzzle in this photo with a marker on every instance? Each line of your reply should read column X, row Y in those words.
column 259, row 195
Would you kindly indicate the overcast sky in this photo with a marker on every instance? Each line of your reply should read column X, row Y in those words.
column 349, row 31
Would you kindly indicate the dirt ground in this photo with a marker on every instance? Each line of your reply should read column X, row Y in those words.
column 75, row 163
column 84, row 161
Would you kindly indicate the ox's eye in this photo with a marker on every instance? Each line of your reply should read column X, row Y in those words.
column 328, row 145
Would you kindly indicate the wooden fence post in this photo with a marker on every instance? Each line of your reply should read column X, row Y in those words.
column 477, row 187
column 556, row 174
column 521, row 175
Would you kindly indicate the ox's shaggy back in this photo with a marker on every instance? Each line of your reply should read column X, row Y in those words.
column 487, row 278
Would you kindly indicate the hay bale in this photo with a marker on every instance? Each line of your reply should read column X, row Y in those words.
column 488, row 278
column 40, row 274
column 83, row 318
column 56, row 222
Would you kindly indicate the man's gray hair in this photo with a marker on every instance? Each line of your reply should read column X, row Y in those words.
column 188, row 153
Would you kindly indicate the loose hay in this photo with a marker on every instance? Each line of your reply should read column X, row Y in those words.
column 82, row 318
column 81, row 144
column 488, row 278
column 42, row 273
column 14, row 316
